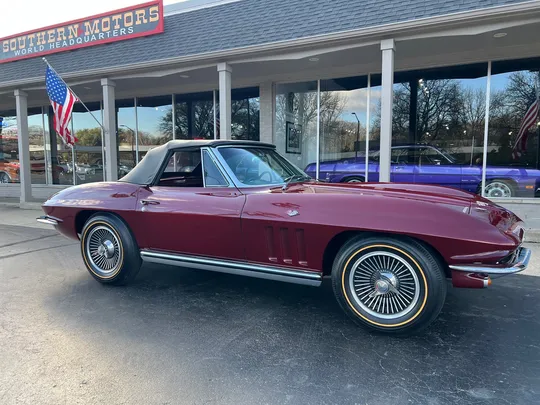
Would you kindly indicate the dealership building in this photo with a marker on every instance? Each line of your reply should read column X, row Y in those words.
column 439, row 92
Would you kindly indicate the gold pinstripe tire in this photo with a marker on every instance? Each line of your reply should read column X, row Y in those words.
column 109, row 249
column 386, row 284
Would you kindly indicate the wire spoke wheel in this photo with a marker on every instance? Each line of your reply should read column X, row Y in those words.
column 103, row 250
column 384, row 285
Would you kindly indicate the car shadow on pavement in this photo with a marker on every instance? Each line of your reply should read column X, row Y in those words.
column 286, row 337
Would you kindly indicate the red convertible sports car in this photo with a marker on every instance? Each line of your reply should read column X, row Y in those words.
column 239, row 207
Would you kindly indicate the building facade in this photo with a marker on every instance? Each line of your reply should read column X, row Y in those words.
column 441, row 93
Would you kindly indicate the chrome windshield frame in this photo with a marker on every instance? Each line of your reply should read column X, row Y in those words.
column 233, row 177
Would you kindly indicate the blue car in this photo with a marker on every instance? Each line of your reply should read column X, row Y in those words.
column 431, row 165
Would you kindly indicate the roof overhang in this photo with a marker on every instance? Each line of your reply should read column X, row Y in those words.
column 462, row 23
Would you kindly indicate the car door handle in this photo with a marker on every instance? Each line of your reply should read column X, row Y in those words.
column 149, row 202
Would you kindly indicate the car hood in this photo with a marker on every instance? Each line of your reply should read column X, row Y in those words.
column 435, row 194
column 451, row 198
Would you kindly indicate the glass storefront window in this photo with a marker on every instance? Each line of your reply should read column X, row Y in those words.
column 194, row 116
column 438, row 125
column 60, row 154
column 296, row 122
column 38, row 158
column 9, row 147
column 128, row 144
column 513, row 155
column 154, row 122
column 89, row 149
column 245, row 107
column 343, row 131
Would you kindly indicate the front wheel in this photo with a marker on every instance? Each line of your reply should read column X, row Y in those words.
column 109, row 250
column 392, row 285
column 4, row 177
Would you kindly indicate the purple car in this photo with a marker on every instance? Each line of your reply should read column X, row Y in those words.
column 430, row 165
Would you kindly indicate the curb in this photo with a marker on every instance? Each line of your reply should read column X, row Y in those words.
column 24, row 206
column 532, row 236
column 30, row 206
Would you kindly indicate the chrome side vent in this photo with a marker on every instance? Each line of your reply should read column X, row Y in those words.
column 301, row 247
column 285, row 246
column 269, row 233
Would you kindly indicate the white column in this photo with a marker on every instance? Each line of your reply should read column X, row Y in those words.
column 267, row 100
column 225, row 71
column 388, row 48
column 109, row 122
column 21, row 101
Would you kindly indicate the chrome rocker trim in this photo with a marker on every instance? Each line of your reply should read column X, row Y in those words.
column 47, row 220
column 519, row 264
column 231, row 267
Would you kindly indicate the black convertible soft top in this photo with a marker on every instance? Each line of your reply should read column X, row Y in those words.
column 147, row 169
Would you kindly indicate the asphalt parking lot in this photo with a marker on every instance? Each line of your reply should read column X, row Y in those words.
column 192, row 337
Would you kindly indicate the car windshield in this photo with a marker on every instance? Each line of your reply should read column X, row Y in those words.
column 253, row 166
column 451, row 158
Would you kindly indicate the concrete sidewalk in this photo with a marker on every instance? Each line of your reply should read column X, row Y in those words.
column 11, row 213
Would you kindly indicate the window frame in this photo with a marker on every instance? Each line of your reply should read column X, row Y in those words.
column 201, row 149
column 218, row 166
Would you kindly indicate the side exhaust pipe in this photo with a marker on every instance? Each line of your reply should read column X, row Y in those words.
column 461, row 279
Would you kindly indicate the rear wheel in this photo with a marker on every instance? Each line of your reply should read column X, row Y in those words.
column 390, row 285
column 499, row 188
column 354, row 179
column 109, row 250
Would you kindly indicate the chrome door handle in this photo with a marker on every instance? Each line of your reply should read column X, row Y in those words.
column 149, row 202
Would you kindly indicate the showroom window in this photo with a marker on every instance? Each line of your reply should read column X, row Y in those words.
column 193, row 116
column 9, row 147
column 245, row 107
column 344, row 131
column 513, row 152
column 89, row 148
column 154, row 117
column 296, row 122
column 38, row 156
column 245, row 112
column 127, row 139
column 438, row 126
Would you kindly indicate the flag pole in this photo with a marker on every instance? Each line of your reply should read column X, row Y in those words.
column 87, row 109
column 73, row 165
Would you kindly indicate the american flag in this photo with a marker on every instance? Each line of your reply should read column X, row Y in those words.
column 62, row 100
column 529, row 121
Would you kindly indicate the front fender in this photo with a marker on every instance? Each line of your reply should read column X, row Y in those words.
column 68, row 204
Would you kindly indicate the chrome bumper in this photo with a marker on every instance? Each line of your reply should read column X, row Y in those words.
column 47, row 220
column 520, row 263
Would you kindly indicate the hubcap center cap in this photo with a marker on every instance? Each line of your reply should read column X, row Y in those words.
column 385, row 282
column 382, row 286
column 106, row 249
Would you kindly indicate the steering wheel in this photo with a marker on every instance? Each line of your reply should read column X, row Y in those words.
column 269, row 176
